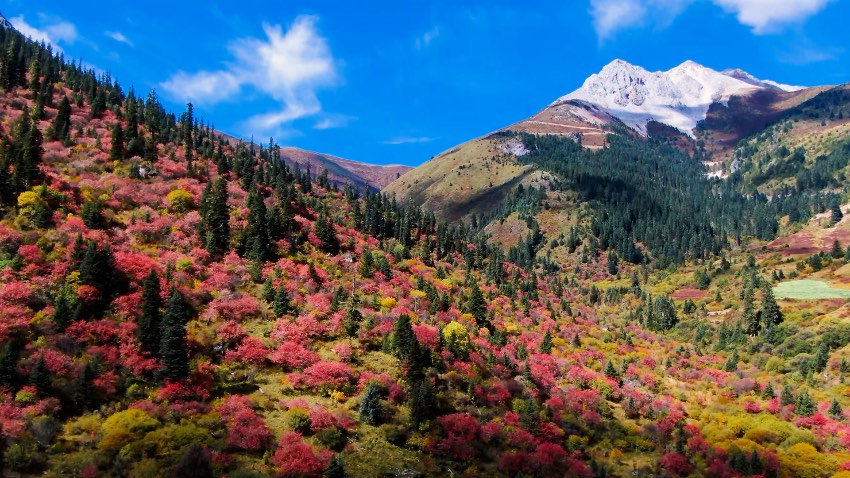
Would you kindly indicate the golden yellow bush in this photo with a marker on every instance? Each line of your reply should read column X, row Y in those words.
column 181, row 200
column 122, row 427
column 456, row 337
column 27, row 199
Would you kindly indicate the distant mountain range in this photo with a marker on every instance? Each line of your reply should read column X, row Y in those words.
column 703, row 112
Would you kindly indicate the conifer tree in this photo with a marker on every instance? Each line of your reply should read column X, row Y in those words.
column 423, row 402
column 28, row 140
column 282, row 304
column 367, row 263
column 40, row 376
column 835, row 409
column 771, row 314
column 804, row 405
column 478, row 306
column 216, row 219
column 335, row 469
column 117, row 151
column 150, row 320
column 63, row 309
column 324, row 230
column 546, row 344
column 98, row 267
column 404, row 340
column 9, row 364
column 256, row 237
column 752, row 321
column 172, row 348
column 371, row 411
column 60, row 127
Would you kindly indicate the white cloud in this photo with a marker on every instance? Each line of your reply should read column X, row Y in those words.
column 119, row 37
column 610, row 16
column 425, row 40
column 408, row 140
column 52, row 31
column 203, row 86
column 763, row 16
column 288, row 67
column 766, row 16
column 331, row 121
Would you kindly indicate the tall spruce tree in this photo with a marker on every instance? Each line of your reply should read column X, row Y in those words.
column 324, row 230
column 172, row 347
column 216, row 219
column 150, row 320
column 117, row 151
column 771, row 314
column 478, row 306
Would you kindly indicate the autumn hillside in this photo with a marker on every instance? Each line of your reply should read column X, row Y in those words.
column 176, row 304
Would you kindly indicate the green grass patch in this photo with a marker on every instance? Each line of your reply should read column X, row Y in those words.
column 809, row 289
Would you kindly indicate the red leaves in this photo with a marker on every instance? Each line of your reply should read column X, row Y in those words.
column 459, row 429
column 298, row 459
column 245, row 429
column 320, row 374
column 676, row 464
column 292, row 356
column 250, row 350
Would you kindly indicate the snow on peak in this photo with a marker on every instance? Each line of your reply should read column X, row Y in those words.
column 748, row 78
column 679, row 97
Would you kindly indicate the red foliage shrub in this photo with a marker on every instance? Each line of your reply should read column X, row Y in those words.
column 250, row 350
column 247, row 431
column 298, row 459
column 676, row 464
column 291, row 356
column 333, row 374
column 459, row 430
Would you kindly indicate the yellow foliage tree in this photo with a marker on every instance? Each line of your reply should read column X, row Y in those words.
column 124, row 427
column 456, row 337
column 803, row 461
column 181, row 200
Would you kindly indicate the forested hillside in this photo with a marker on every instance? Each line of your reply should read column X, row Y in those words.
column 176, row 304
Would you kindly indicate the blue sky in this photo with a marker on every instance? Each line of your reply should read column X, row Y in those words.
column 398, row 82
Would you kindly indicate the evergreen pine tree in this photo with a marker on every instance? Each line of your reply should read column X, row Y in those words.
column 150, row 320
column 835, row 409
column 60, row 127
column 9, row 364
column 40, row 376
column 282, row 304
column 478, row 306
column 269, row 290
column 324, row 230
column 216, row 219
column 752, row 321
column 371, row 412
column 546, row 344
column 804, row 405
column 172, row 348
column 63, row 309
column 771, row 314
column 768, row 392
column 352, row 320
column 835, row 214
column 404, row 340
column 335, row 469
column 367, row 263
column 732, row 362
column 786, row 397
column 117, row 151
column 423, row 402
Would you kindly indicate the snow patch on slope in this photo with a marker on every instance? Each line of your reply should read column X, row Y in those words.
column 679, row 97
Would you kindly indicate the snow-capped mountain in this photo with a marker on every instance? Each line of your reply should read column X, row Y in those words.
column 679, row 97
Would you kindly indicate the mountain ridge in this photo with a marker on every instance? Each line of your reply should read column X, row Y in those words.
column 679, row 97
